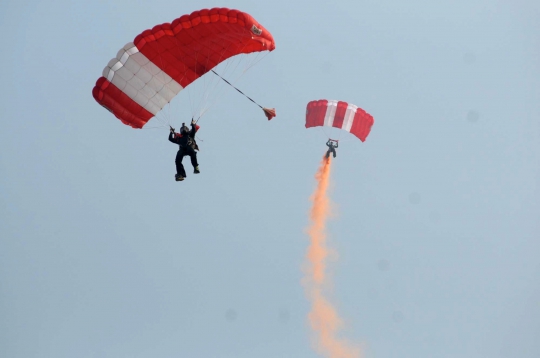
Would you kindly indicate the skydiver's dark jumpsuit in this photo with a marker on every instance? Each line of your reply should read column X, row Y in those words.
column 187, row 146
column 331, row 148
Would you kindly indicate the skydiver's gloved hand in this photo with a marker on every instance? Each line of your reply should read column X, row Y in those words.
column 172, row 130
column 193, row 121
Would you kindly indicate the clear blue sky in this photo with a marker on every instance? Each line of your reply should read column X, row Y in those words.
column 103, row 254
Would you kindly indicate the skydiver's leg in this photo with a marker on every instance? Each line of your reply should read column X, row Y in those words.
column 179, row 167
column 334, row 152
column 178, row 161
column 193, row 156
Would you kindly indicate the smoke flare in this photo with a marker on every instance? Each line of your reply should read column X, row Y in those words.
column 323, row 317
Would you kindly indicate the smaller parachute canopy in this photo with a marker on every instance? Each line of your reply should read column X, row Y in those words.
column 341, row 115
column 269, row 112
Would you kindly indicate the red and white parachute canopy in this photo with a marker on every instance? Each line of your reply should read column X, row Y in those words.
column 148, row 72
column 340, row 115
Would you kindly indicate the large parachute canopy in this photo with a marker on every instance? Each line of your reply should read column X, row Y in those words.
column 339, row 114
column 160, row 62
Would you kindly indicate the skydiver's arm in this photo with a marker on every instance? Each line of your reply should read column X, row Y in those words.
column 193, row 128
column 171, row 138
column 328, row 143
column 337, row 145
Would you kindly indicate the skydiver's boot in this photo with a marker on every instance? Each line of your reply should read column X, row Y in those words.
column 178, row 177
column 196, row 171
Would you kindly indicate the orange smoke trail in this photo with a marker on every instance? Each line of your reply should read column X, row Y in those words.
column 323, row 317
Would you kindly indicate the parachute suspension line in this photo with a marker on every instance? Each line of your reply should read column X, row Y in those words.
column 257, row 58
column 237, row 89
column 325, row 133
column 192, row 88
column 201, row 99
column 189, row 89
column 242, row 57
column 226, row 66
column 203, row 106
column 209, row 96
column 211, row 84
column 229, row 66
column 204, row 100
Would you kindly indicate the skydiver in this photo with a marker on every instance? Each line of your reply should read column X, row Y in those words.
column 332, row 145
column 187, row 146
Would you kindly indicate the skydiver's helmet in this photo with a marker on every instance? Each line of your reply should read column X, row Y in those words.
column 184, row 130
